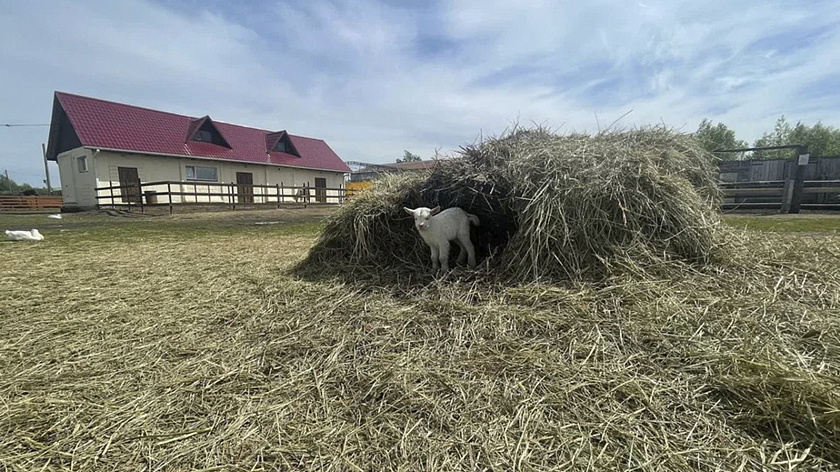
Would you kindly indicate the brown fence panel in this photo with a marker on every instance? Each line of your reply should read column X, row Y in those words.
column 30, row 203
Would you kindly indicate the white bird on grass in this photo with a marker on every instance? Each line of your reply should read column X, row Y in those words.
column 56, row 216
column 33, row 235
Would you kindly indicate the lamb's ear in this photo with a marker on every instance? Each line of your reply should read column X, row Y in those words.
column 409, row 211
column 435, row 210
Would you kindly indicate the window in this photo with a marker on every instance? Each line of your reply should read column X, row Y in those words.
column 203, row 135
column 82, row 161
column 280, row 146
column 209, row 134
column 207, row 174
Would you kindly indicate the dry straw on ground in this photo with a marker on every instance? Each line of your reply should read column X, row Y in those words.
column 552, row 207
column 178, row 345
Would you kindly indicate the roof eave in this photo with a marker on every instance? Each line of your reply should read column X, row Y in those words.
column 208, row 158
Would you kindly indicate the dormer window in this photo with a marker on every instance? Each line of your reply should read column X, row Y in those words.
column 280, row 142
column 206, row 132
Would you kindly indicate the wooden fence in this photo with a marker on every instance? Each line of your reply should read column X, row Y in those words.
column 787, row 185
column 772, row 194
column 29, row 203
column 174, row 193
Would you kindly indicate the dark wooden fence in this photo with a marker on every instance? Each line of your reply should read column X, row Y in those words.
column 174, row 193
column 781, row 184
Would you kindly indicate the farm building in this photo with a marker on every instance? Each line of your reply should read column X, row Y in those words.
column 369, row 172
column 100, row 144
column 363, row 176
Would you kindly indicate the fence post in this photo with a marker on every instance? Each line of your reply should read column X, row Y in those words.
column 282, row 193
column 799, row 180
column 112, row 194
column 140, row 197
column 787, row 193
column 232, row 197
column 306, row 195
column 169, row 194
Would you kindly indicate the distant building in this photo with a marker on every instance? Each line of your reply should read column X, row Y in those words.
column 103, row 144
column 372, row 171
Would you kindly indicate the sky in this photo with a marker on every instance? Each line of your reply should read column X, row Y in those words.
column 375, row 78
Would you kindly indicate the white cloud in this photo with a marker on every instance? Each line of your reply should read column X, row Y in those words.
column 373, row 79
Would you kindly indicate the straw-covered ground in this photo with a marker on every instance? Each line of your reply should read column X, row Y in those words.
column 172, row 343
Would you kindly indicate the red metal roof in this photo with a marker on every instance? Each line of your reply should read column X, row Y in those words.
column 104, row 124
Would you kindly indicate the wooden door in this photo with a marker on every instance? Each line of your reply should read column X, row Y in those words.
column 320, row 190
column 245, row 187
column 130, row 183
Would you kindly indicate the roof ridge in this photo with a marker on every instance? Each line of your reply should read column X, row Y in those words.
column 59, row 93
column 127, row 105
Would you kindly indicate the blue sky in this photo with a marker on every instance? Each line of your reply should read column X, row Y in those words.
column 375, row 78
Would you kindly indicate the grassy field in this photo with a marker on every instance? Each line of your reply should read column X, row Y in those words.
column 183, row 343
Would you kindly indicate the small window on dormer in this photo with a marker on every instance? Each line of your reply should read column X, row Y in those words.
column 204, row 136
column 280, row 146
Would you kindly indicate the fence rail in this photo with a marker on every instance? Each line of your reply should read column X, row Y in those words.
column 771, row 194
column 176, row 193
column 30, row 203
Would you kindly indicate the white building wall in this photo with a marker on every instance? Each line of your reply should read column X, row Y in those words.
column 77, row 186
column 150, row 168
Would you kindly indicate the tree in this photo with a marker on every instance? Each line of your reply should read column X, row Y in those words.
column 409, row 157
column 821, row 140
column 780, row 136
column 716, row 137
column 9, row 187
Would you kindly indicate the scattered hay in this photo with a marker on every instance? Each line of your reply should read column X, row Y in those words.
column 551, row 207
column 142, row 352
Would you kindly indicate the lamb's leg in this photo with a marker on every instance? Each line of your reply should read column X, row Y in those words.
column 444, row 255
column 462, row 252
column 435, row 257
column 465, row 242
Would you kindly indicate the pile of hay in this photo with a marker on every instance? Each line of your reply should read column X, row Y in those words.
column 551, row 207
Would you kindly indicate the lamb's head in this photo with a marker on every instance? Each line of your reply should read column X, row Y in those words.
column 421, row 216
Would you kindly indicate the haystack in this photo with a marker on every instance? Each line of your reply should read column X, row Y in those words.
column 552, row 207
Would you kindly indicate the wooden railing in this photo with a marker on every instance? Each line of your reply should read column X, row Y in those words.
column 174, row 193
column 30, row 203
column 771, row 194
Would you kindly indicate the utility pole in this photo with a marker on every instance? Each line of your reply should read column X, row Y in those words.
column 46, row 167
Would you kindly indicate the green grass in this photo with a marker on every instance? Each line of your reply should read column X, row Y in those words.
column 786, row 223
column 183, row 343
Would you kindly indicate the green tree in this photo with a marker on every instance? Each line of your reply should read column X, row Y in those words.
column 780, row 136
column 9, row 187
column 821, row 140
column 409, row 157
column 716, row 137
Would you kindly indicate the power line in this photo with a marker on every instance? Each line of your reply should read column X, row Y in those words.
column 18, row 125
column 23, row 172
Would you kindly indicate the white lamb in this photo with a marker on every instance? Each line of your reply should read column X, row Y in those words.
column 33, row 235
column 437, row 228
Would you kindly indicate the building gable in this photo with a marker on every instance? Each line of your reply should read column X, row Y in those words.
column 63, row 136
